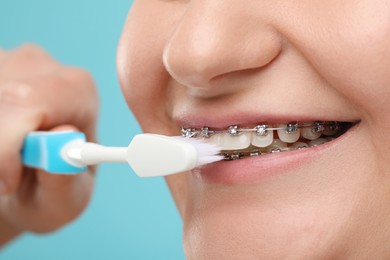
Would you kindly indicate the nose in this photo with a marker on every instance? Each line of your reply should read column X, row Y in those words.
column 213, row 39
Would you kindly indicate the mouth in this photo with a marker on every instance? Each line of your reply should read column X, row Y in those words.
column 239, row 143
column 268, row 145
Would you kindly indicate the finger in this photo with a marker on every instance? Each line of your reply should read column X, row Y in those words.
column 57, row 183
column 62, row 187
column 66, row 98
column 14, row 124
column 63, row 196
column 66, row 95
column 28, row 61
column 70, row 98
column 41, row 104
column 2, row 54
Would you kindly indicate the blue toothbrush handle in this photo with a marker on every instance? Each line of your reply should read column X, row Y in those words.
column 43, row 149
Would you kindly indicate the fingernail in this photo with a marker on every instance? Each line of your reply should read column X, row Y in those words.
column 3, row 188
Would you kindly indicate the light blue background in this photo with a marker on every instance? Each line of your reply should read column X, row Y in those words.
column 128, row 218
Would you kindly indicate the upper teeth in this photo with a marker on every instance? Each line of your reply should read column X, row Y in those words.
column 262, row 140
column 288, row 136
column 236, row 138
column 225, row 142
column 311, row 133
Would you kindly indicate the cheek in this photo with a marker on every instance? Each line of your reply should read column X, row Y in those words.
column 142, row 76
column 350, row 47
column 351, row 50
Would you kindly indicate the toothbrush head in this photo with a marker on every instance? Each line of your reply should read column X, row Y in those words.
column 152, row 155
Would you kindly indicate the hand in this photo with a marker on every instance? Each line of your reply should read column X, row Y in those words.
column 38, row 93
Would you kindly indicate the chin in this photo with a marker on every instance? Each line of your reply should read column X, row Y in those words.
column 305, row 204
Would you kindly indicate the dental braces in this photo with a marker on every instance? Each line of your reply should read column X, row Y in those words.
column 260, row 130
column 256, row 151
column 236, row 155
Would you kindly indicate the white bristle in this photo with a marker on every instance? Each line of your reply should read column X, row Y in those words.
column 151, row 155
column 207, row 153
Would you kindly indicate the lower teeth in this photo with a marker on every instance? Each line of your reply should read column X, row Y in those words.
column 255, row 151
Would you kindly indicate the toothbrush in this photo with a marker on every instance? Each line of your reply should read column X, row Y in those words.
column 149, row 155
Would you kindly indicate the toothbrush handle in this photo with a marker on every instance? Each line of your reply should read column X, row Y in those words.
column 43, row 150
column 92, row 153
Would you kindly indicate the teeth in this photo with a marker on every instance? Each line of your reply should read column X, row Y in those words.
column 318, row 127
column 255, row 152
column 331, row 129
column 233, row 130
column 262, row 140
column 205, row 132
column 188, row 132
column 213, row 139
column 228, row 142
column 261, row 130
column 298, row 146
column 237, row 142
column 287, row 137
column 236, row 156
column 317, row 142
column 277, row 146
column 309, row 133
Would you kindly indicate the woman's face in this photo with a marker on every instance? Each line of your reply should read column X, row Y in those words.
column 201, row 63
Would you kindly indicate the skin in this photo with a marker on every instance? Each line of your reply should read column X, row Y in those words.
column 38, row 93
column 296, row 59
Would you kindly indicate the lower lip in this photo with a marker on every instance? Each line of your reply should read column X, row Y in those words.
column 257, row 168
